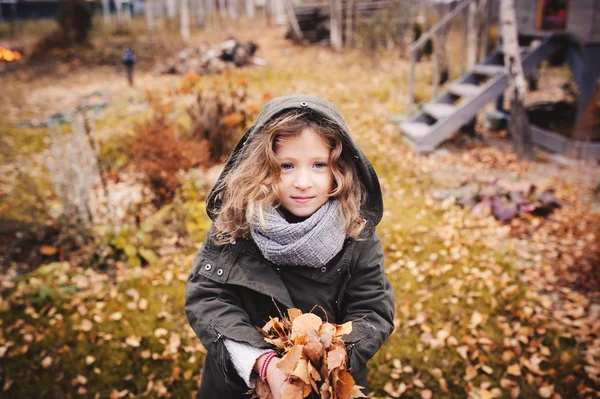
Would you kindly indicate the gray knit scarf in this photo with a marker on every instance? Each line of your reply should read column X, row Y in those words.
column 311, row 243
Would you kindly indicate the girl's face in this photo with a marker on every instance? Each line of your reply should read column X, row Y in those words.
column 306, row 178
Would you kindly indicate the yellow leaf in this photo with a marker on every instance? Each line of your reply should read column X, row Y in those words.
column 48, row 250
column 160, row 332
column 307, row 324
column 47, row 362
column 471, row 373
column 547, row 391
column 426, row 394
column 133, row 341
column 89, row 360
column 514, row 369
column 293, row 313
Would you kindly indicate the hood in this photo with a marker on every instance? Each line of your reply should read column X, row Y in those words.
column 372, row 207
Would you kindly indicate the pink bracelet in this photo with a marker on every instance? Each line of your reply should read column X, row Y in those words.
column 265, row 364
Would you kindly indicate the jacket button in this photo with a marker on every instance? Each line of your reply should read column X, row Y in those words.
column 338, row 271
column 304, row 104
column 233, row 242
column 220, row 272
column 323, row 269
column 207, row 266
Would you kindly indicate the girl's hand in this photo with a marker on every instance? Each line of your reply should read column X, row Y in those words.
column 276, row 378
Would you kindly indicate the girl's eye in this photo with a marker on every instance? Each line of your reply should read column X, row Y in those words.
column 286, row 166
column 320, row 165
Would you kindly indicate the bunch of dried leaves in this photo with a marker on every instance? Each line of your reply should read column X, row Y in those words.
column 219, row 116
column 314, row 356
column 503, row 199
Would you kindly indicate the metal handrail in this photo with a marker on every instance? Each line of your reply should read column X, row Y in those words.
column 413, row 48
column 441, row 24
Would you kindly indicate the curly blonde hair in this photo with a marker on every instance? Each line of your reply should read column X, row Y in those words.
column 252, row 184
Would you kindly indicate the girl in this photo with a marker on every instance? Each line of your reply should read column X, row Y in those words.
column 294, row 214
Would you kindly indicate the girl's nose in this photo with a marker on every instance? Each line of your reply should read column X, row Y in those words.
column 302, row 182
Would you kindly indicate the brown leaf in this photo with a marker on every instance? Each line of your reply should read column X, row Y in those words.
column 292, row 391
column 262, row 390
column 314, row 351
column 289, row 361
column 293, row 313
column 344, row 329
column 335, row 358
column 325, row 391
column 48, row 250
column 301, row 371
column 547, row 391
column 306, row 324
column 344, row 385
column 326, row 332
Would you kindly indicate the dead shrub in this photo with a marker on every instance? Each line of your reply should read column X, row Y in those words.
column 160, row 150
column 220, row 115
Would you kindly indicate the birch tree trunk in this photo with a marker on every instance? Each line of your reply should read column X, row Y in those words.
column 106, row 11
column 171, row 10
column 127, row 12
column 200, row 14
column 335, row 24
column 349, row 18
column 223, row 8
column 184, row 13
column 233, row 7
column 472, row 39
column 149, row 11
column 119, row 10
column 279, row 12
column 518, row 125
column 250, row 10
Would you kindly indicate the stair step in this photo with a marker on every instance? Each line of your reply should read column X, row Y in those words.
column 490, row 70
column 415, row 130
column 439, row 111
column 464, row 89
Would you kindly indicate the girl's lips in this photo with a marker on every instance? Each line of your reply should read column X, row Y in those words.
column 302, row 200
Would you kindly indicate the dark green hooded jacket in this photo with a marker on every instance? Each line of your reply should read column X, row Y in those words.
column 232, row 288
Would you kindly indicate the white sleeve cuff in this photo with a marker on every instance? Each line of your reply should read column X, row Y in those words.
column 243, row 357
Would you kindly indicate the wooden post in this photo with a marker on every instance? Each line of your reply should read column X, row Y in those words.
column 436, row 64
column 486, row 12
column 291, row 15
column 518, row 125
column 411, row 81
column 463, row 42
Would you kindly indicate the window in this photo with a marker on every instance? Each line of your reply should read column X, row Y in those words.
column 552, row 14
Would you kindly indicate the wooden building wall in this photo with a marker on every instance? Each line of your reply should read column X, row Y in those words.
column 583, row 19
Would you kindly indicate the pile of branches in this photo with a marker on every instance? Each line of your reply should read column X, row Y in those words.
column 204, row 60
column 504, row 200
column 314, row 356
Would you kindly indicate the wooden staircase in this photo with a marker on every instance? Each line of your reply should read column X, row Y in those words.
column 460, row 102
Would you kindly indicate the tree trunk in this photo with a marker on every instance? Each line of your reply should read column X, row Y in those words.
column 250, row 10
column 106, row 11
column 473, row 36
column 233, row 7
column 223, row 8
column 184, row 14
column 518, row 125
column 200, row 14
column 279, row 12
column 349, row 18
column 149, row 11
column 171, row 10
column 119, row 10
column 335, row 24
